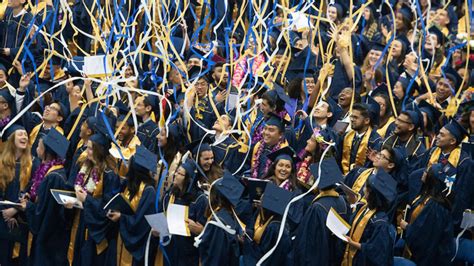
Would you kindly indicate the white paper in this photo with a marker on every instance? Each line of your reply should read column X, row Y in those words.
column 176, row 217
column 96, row 65
column 299, row 20
column 158, row 222
column 337, row 225
column 65, row 199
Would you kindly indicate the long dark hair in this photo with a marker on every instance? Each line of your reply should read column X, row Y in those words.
column 292, row 178
column 135, row 175
column 294, row 88
column 218, row 201
column 433, row 187
column 183, row 193
column 375, row 200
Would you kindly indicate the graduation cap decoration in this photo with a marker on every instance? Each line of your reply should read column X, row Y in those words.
column 330, row 173
column 230, row 187
column 56, row 142
column 10, row 130
column 285, row 153
column 275, row 199
column 145, row 159
column 458, row 131
column 384, row 184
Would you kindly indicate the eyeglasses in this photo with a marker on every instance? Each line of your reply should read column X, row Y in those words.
column 381, row 156
column 404, row 121
column 51, row 107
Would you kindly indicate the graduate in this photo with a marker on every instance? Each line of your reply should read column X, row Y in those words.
column 219, row 242
column 266, row 229
column 147, row 129
column 449, row 153
column 429, row 228
column 127, row 142
column 7, row 107
column 273, row 140
column 47, row 220
column 227, row 151
column 140, row 191
column 387, row 120
column 282, row 171
column 96, row 182
column 314, row 243
column 181, row 249
column 16, row 165
column 358, row 143
column 207, row 168
column 370, row 240
column 431, row 117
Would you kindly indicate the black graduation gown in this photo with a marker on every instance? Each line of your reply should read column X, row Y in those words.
column 376, row 242
column 430, row 236
column 227, row 154
column 219, row 247
column 99, row 228
column 48, row 222
column 147, row 132
column 181, row 249
column 14, row 30
column 205, row 117
column 340, row 80
column 314, row 243
column 8, row 237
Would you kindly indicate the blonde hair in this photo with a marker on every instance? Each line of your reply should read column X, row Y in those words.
column 8, row 164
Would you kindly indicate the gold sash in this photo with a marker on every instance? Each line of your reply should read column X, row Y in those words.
column 326, row 193
column 407, row 252
column 361, row 151
column 453, row 159
column 383, row 130
column 123, row 256
column 36, row 130
column 356, row 232
column 361, row 179
column 259, row 228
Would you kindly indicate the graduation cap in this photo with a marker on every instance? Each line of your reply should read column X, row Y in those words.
column 278, row 93
column 384, row 184
column 230, row 187
column 439, row 35
column 467, row 106
column 196, row 72
column 382, row 88
column 178, row 44
column 341, row 9
column 122, row 108
column 63, row 110
column 376, row 46
column 453, row 76
column 275, row 199
column 128, row 121
column 10, row 130
column 309, row 73
column 145, row 158
column 415, row 115
column 101, row 139
column 7, row 96
column 2, row 67
column 406, row 12
column 151, row 100
column 432, row 113
column 91, row 122
column 275, row 120
column 458, row 131
column 256, row 187
column 199, row 146
column 374, row 110
column 400, row 155
column 402, row 38
column 285, row 153
column 56, row 142
column 330, row 173
column 442, row 172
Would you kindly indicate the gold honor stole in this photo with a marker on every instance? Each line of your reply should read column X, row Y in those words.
column 361, row 151
column 383, row 130
column 326, row 193
column 361, row 179
column 123, row 256
column 37, row 128
column 453, row 158
column 259, row 228
column 407, row 253
column 360, row 222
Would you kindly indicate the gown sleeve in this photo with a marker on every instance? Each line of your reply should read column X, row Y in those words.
column 378, row 249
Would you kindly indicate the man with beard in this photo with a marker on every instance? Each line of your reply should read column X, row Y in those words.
column 147, row 129
column 127, row 142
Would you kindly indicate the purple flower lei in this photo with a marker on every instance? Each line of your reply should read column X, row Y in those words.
column 259, row 153
column 80, row 179
column 4, row 121
column 40, row 174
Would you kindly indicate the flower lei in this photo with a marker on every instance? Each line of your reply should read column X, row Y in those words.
column 81, row 177
column 319, row 138
column 259, row 153
column 286, row 185
column 4, row 121
column 40, row 174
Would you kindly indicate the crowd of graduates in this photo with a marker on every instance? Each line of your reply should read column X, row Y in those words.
column 262, row 117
